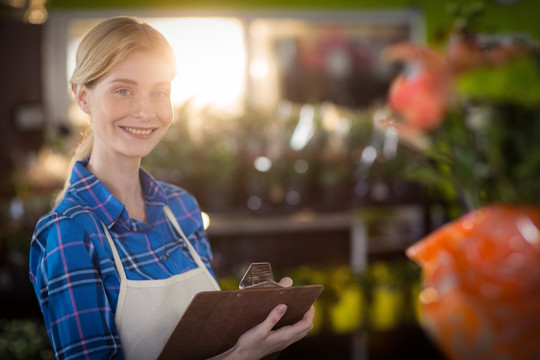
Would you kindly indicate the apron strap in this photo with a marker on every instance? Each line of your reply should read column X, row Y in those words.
column 176, row 225
column 117, row 261
column 192, row 251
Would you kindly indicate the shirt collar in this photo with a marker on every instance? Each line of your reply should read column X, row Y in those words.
column 152, row 189
column 91, row 192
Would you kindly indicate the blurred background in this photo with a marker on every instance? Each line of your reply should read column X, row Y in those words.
column 275, row 133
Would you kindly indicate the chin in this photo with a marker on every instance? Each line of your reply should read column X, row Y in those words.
column 138, row 151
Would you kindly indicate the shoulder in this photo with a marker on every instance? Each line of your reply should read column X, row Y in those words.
column 183, row 205
column 178, row 196
column 63, row 239
column 67, row 218
column 173, row 190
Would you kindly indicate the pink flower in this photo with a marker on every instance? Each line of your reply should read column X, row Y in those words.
column 421, row 94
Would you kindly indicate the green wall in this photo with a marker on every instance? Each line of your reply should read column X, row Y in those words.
column 520, row 16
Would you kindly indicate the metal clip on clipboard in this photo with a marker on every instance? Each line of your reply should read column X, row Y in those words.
column 258, row 275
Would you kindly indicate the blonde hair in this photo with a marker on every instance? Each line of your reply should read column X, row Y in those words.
column 103, row 47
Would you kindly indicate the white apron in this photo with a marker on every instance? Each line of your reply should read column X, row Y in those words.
column 148, row 310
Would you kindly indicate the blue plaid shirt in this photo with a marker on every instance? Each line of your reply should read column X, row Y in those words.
column 72, row 267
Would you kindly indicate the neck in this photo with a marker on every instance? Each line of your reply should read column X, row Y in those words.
column 121, row 177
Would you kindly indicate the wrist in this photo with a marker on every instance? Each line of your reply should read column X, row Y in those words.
column 234, row 353
column 237, row 353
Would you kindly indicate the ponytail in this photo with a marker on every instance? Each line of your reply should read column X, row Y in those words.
column 83, row 151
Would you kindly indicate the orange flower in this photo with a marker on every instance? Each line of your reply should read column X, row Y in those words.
column 482, row 283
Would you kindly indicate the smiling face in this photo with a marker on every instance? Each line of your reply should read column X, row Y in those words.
column 130, row 106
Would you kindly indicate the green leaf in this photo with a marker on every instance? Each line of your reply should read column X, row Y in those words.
column 515, row 82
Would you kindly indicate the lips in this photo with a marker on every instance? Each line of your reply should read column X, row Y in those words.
column 138, row 131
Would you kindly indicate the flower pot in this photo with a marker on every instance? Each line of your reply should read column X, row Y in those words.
column 481, row 284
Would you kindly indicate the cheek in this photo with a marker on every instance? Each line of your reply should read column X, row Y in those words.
column 166, row 114
column 108, row 110
column 114, row 108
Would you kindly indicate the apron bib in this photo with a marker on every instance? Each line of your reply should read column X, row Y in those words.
column 148, row 310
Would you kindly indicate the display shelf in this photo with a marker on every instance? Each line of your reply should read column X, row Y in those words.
column 309, row 237
column 301, row 221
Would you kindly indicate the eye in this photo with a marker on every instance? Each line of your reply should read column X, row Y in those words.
column 161, row 94
column 123, row 92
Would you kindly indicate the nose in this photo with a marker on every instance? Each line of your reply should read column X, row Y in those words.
column 144, row 109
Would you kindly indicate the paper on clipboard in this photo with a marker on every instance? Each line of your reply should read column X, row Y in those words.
column 215, row 320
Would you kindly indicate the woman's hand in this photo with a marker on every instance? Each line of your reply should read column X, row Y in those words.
column 261, row 340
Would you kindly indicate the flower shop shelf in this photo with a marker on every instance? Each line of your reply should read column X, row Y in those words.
column 315, row 238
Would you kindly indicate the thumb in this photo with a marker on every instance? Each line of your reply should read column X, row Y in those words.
column 273, row 318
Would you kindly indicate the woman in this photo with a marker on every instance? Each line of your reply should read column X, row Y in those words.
column 111, row 266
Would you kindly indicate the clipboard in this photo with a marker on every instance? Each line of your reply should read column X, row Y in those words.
column 215, row 320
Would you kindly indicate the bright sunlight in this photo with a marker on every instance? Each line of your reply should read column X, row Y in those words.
column 211, row 59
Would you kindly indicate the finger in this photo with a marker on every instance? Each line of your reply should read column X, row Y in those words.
column 292, row 333
column 309, row 314
column 306, row 323
column 286, row 282
column 273, row 318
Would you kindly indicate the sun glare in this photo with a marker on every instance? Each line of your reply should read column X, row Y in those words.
column 211, row 58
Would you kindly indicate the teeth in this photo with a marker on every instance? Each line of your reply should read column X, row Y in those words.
column 138, row 131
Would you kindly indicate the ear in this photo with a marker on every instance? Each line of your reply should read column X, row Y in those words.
column 81, row 94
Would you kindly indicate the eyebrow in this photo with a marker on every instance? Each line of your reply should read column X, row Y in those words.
column 133, row 82
column 124, row 81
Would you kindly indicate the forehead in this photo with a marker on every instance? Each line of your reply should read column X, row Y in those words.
column 142, row 67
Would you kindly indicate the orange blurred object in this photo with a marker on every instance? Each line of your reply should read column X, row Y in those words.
column 481, row 277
